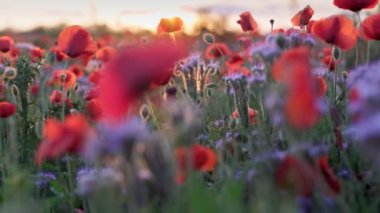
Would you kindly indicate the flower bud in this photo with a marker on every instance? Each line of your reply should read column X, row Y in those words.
column 208, row 38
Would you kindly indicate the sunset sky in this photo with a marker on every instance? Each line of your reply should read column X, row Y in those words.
column 26, row 14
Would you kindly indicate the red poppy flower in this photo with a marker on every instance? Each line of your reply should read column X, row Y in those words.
column 370, row 28
column 64, row 78
column 251, row 113
column 198, row 157
column 37, row 54
column 235, row 60
column 6, row 43
column 134, row 71
column 310, row 26
column 92, row 94
column 170, row 25
column 329, row 62
column 59, row 55
column 76, row 42
column 105, row 54
column 55, row 97
column 297, row 175
column 291, row 61
column 247, row 22
column 95, row 77
column 355, row 5
column 93, row 109
column 77, row 70
column 217, row 50
column 303, row 17
column 328, row 174
column 62, row 137
column 7, row 109
column 293, row 68
column 34, row 89
column 336, row 30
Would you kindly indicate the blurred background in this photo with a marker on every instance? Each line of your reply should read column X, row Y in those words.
column 23, row 15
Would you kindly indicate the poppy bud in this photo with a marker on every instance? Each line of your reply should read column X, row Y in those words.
column 68, row 93
column 62, row 77
column 336, row 53
column 209, row 93
column 345, row 75
column 170, row 92
column 211, row 85
column 144, row 112
column 281, row 41
column 209, row 38
column 15, row 90
column 10, row 73
column 76, row 87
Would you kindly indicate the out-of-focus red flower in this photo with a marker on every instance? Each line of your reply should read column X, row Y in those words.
column 328, row 174
column 76, row 42
column 77, row 70
column 251, row 113
column 105, row 40
column 62, row 137
column 64, row 78
column 336, row 30
column 6, row 43
column 354, row 97
column 235, row 60
column 170, row 25
column 355, row 5
column 297, row 175
column 293, row 68
column 370, row 28
column 217, row 50
column 198, row 157
column 37, row 54
column 14, row 53
column 321, row 85
column 93, row 109
column 91, row 94
column 329, row 62
column 303, row 17
column 294, row 60
column 134, row 71
column 245, row 42
column 95, row 77
column 7, row 109
column 310, row 26
column 105, row 54
column 247, row 22
column 34, row 89
column 55, row 97
column 59, row 55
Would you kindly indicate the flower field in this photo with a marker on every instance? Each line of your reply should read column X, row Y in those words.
column 283, row 121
